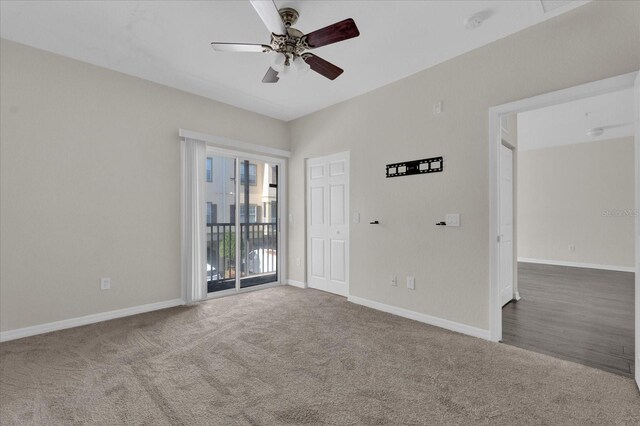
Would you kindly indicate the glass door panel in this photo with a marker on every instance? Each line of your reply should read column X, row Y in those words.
column 258, row 222
column 221, row 223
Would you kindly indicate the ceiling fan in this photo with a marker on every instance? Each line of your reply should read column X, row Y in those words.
column 290, row 44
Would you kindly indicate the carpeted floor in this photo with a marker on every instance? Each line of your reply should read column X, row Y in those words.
column 291, row 356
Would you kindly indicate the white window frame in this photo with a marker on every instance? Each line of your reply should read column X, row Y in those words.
column 209, row 171
column 247, row 179
column 253, row 212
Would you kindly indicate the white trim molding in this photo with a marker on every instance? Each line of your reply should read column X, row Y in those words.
column 577, row 264
column 19, row 333
column 427, row 319
column 299, row 284
column 221, row 142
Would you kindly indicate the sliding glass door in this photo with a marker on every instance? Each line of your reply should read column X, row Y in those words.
column 220, row 223
column 242, row 216
column 258, row 222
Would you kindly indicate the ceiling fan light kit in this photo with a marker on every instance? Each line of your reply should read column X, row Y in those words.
column 291, row 45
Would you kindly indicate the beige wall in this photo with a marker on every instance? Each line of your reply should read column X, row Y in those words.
column 90, row 184
column 395, row 123
column 571, row 195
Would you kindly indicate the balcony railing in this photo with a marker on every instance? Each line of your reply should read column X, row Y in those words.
column 258, row 253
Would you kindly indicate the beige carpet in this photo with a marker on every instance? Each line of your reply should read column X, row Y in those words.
column 291, row 356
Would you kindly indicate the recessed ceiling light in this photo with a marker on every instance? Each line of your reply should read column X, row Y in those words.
column 595, row 132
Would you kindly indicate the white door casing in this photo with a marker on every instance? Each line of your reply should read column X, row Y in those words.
column 328, row 223
column 506, row 225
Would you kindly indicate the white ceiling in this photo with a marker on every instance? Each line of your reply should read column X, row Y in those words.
column 567, row 123
column 168, row 42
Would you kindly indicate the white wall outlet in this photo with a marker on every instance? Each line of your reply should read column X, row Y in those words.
column 572, row 247
column 411, row 283
column 290, row 218
column 452, row 219
column 437, row 108
column 298, row 261
column 393, row 280
column 105, row 283
column 356, row 218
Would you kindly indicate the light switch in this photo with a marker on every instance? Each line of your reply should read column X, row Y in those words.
column 452, row 219
column 356, row 218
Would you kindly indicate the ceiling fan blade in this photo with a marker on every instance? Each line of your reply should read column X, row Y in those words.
column 268, row 12
column 339, row 31
column 240, row 47
column 323, row 67
column 271, row 76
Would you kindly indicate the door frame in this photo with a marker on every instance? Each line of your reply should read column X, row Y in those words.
column 595, row 88
column 347, row 156
column 282, row 211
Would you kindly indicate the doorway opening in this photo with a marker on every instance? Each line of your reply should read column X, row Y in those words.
column 564, row 216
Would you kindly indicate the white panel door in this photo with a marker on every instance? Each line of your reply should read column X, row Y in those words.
column 506, row 224
column 327, row 223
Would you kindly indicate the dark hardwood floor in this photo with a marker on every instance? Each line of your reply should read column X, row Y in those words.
column 578, row 314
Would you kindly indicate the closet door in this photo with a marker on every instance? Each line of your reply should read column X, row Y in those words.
column 328, row 223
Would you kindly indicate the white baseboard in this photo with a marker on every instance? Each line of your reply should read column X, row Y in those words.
column 577, row 264
column 298, row 284
column 427, row 319
column 87, row 319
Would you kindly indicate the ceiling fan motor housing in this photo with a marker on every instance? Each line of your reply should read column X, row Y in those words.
column 291, row 44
